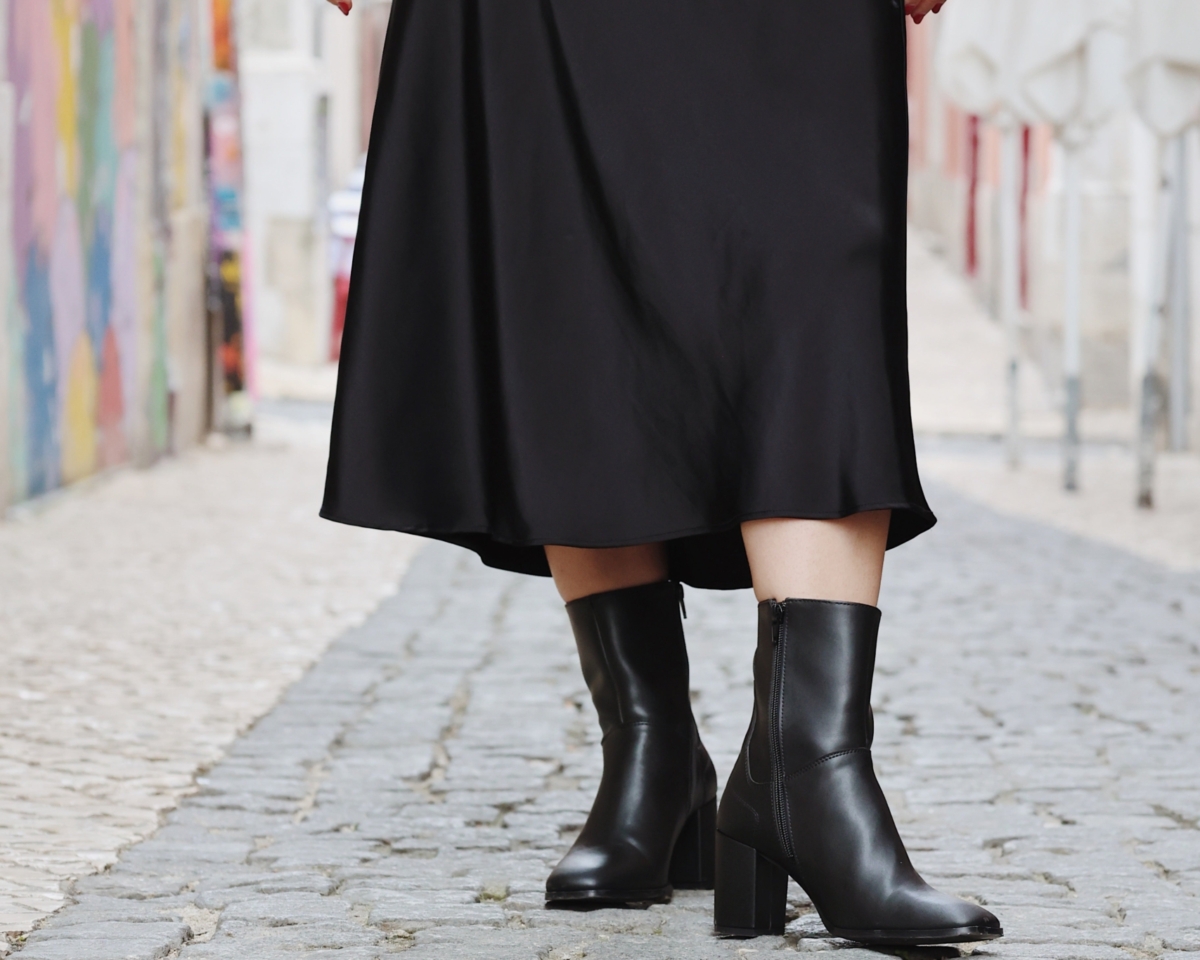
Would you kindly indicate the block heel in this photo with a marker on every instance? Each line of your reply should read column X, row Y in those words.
column 751, row 892
column 693, row 864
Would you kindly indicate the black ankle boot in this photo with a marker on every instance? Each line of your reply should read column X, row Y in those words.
column 652, row 826
column 803, row 798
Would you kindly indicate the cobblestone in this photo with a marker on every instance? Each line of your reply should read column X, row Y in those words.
column 1037, row 736
column 146, row 620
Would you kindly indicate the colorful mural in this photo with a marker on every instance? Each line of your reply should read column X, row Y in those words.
column 86, row 360
column 74, row 161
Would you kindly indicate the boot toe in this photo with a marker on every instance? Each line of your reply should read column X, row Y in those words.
column 617, row 873
column 986, row 922
column 925, row 916
column 941, row 911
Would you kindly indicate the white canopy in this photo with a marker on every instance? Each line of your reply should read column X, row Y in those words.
column 1060, row 63
column 1164, row 58
column 1071, row 62
column 975, row 60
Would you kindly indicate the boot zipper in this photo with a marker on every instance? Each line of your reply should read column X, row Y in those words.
column 779, row 784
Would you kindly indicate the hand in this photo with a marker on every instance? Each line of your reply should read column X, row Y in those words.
column 920, row 9
column 344, row 5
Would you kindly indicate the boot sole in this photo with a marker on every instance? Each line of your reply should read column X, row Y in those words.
column 883, row 938
column 609, row 898
column 918, row 938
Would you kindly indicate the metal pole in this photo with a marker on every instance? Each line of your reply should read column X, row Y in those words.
column 1179, row 299
column 1072, row 333
column 1010, row 281
column 1150, row 402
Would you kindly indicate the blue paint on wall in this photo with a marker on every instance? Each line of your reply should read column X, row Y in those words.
column 99, row 279
column 40, row 378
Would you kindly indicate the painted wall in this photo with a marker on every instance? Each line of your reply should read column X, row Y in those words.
column 102, row 237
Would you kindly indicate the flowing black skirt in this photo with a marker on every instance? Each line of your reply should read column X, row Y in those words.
column 630, row 271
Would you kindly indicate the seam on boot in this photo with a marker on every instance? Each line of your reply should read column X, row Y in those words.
column 825, row 759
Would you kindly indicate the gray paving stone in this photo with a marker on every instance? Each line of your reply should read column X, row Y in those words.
column 106, row 940
column 1036, row 732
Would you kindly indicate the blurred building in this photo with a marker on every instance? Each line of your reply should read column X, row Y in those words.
column 308, row 78
column 956, row 160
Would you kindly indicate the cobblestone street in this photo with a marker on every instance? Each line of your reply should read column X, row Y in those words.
column 1036, row 702
column 147, row 619
column 1036, row 734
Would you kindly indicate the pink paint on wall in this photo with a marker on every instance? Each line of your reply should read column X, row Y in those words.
column 954, row 164
column 990, row 155
column 124, row 277
column 110, row 406
column 35, row 174
column 125, row 98
column 40, row 111
column 100, row 12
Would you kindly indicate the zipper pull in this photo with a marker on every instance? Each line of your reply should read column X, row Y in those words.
column 778, row 612
column 682, row 605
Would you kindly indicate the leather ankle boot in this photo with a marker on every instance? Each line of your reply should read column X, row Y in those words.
column 652, row 826
column 803, row 799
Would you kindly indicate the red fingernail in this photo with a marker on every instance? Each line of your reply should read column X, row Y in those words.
column 344, row 6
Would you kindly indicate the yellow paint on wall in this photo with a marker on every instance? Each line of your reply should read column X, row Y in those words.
column 64, row 19
column 79, row 412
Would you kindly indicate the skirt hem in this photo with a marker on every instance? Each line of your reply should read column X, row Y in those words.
column 526, row 556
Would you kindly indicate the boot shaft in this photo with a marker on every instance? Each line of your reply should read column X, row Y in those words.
column 812, row 677
column 633, row 654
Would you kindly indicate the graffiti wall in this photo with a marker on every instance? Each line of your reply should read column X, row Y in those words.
column 91, row 190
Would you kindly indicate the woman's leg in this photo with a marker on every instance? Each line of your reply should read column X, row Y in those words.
column 818, row 559
column 579, row 572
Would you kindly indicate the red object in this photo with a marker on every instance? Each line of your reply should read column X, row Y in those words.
column 973, row 195
column 343, row 263
column 341, row 292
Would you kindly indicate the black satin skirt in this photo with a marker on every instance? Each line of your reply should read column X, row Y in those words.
column 630, row 271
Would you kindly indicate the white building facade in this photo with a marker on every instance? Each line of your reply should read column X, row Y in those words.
column 308, row 75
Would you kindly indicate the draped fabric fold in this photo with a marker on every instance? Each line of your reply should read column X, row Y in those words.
column 630, row 272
